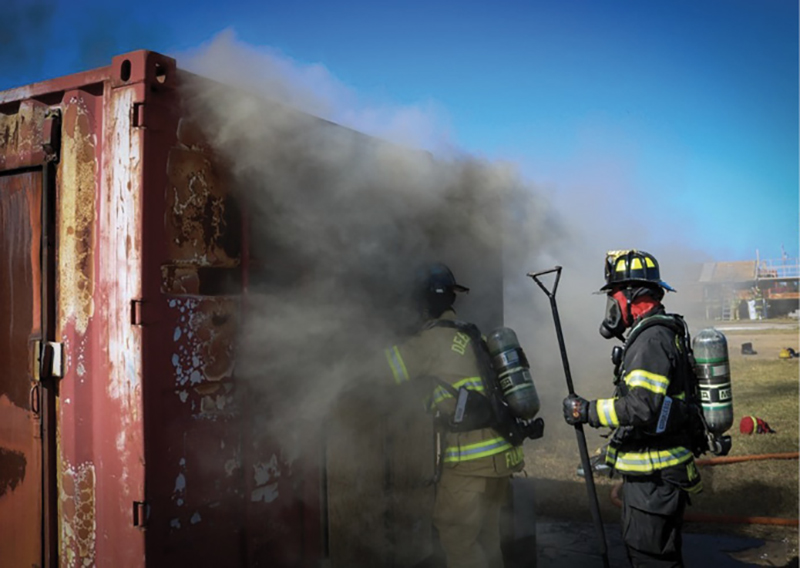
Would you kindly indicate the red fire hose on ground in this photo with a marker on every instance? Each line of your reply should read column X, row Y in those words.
column 728, row 519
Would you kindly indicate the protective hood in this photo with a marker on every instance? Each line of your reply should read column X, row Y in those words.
column 625, row 307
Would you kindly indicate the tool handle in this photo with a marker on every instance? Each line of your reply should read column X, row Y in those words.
column 591, row 490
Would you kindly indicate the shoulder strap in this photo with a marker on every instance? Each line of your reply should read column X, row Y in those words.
column 677, row 324
column 672, row 321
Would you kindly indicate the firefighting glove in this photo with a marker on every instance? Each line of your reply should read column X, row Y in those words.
column 576, row 410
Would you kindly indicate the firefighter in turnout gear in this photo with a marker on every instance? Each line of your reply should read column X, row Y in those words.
column 651, row 447
column 476, row 461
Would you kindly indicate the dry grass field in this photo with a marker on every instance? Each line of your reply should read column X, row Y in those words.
column 763, row 385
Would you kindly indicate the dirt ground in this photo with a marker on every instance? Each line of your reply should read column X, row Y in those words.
column 753, row 489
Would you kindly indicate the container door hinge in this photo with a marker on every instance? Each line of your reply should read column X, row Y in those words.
column 141, row 511
column 136, row 312
column 49, row 360
column 148, row 115
column 51, row 135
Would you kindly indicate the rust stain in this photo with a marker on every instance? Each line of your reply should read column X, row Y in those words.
column 78, row 167
column 77, row 507
column 180, row 279
column 12, row 470
column 21, row 136
column 200, row 211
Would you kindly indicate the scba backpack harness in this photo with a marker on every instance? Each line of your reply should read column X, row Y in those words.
column 680, row 420
column 475, row 410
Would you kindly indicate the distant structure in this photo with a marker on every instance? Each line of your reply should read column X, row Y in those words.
column 750, row 289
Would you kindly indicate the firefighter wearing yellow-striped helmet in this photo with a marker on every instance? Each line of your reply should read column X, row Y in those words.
column 652, row 446
column 629, row 274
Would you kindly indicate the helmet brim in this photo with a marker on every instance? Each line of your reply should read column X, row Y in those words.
column 460, row 288
column 661, row 283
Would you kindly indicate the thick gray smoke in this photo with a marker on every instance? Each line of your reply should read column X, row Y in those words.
column 340, row 224
column 342, row 220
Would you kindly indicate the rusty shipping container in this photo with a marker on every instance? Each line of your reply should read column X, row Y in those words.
column 125, row 437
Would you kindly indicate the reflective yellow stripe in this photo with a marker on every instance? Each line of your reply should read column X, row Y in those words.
column 607, row 413
column 470, row 383
column 477, row 450
column 648, row 461
column 396, row 363
column 651, row 381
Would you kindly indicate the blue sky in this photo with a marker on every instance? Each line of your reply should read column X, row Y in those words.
column 680, row 113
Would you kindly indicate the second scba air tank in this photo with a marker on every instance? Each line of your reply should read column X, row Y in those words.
column 714, row 379
column 513, row 373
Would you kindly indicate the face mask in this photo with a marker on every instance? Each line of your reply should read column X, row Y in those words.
column 614, row 323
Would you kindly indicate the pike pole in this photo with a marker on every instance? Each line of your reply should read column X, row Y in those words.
column 588, row 475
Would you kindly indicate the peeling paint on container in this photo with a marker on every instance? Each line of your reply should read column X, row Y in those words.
column 263, row 473
column 77, row 496
column 148, row 303
column 77, row 209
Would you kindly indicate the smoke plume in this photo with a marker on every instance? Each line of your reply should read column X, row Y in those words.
column 342, row 220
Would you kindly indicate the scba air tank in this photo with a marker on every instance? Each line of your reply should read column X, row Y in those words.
column 714, row 379
column 513, row 373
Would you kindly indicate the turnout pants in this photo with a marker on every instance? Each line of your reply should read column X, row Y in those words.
column 467, row 517
column 652, row 519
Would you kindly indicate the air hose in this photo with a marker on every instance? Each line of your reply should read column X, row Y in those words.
column 728, row 519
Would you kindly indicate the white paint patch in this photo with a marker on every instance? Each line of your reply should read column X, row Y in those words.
column 121, row 441
column 119, row 228
column 195, row 519
column 266, row 494
column 175, row 523
column 180, row 483
column 263, row 473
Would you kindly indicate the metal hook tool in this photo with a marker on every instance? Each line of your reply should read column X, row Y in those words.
column 587, row 468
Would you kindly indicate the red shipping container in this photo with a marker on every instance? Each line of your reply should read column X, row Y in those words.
column 125, row 437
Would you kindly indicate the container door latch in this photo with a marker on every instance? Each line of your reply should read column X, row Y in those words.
column 49, row 362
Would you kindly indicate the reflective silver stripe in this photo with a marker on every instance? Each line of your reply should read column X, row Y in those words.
column 649, row 461
column 651, row 381
column 397, row 365
column 477, row 450
column 607, row 413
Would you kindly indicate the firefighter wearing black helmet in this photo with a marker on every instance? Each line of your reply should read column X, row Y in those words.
column 650, row 447
column 477, row 462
